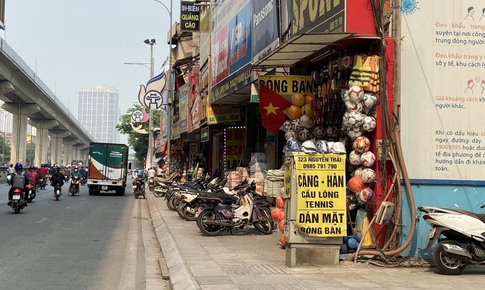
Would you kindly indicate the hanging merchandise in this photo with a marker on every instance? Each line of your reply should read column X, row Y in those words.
column 365, row 72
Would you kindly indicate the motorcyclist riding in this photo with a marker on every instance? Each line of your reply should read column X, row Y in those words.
column 18, row 171
column 57, row 177
column 32, row 175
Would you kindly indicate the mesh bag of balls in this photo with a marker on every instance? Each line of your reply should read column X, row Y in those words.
column 360, row 110
column 363, row 176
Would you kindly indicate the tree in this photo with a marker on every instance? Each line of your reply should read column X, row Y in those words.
column 30, row 153
column 138, row 142
column 4, row 149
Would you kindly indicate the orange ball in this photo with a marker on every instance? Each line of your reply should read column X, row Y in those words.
column 309, row 98
column 281, row 226
column 307, row 110
column 280, row 203
column 356, row 184
column 298, row 99
column 282, row 241
column 294, row 112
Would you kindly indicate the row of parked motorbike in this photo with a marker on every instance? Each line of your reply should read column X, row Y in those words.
column 213, row 206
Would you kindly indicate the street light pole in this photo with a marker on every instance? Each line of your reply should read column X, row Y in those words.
column 149, row 161
column 170, row 89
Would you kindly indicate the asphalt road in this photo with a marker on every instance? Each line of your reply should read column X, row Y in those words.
column 78, row 242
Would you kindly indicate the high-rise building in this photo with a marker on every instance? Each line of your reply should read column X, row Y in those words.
column 98, row 112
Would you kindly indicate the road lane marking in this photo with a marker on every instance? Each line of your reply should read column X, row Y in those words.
column 68, row 207
column 41, row 220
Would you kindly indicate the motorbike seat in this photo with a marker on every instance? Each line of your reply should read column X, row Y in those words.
column 216, row 196
column 481, row 217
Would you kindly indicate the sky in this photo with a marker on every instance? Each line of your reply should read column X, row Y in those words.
column 73, row 45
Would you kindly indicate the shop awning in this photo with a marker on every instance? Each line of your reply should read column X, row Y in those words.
column 299, row 48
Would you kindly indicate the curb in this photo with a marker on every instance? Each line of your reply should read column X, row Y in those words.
column 180, row 275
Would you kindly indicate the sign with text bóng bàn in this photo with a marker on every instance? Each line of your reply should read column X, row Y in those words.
column 321, row 193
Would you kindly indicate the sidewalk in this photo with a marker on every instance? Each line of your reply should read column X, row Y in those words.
column 255, row 261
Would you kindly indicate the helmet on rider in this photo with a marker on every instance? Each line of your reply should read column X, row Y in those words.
column 31, row 167
column 18, row 166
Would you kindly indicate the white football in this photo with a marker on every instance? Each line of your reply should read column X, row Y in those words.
column 367, row 158
column 355, row 158
column 356, row 93
column 354, row 132
column 369, row 124
column 356, row 119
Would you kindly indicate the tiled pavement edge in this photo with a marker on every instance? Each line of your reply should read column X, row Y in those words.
column 180, row 274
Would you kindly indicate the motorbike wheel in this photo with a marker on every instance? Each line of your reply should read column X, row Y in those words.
column 209, row 230
column 444, row 263
column 265, row 224
column 190, row 216
column 180, row 209
column 16, row 208
column 157, row 192
column 57, row 198
column 171, row 202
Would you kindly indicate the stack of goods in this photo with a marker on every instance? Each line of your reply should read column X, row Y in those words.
column 274, row 182
column 362, row 159
column 278, row 215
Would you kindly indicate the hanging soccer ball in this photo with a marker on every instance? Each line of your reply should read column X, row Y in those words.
column 287, row 125
column 369, row 100
column 318, row 132
column 361, row 144
column 304, row 135
column 356, row 184
column 369, row 124
column 298, row 99
column 290, row 134
column 295, row 126
column 368, row 175
column 332, row 132
column 367, row 159
column 365, row 195
column 357, row 172
column 322, row 146
column 356, row 118
column 294, row 112
column 345, row 119
column 305, row 121
column 354, row 132
column 355, row 158
column 356, row 93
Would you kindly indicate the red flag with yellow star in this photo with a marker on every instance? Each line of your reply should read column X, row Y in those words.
column 272, row 107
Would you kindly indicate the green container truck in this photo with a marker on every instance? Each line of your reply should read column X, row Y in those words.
column 107, row 168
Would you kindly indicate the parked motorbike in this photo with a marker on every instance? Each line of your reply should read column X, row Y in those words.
column 151, row 184
column 224, row 215
column 139, row 187
column 74, row 187
column 30, row 191
column 18, row 202
column 193, row 203
column 460, row 235
column 57, row 191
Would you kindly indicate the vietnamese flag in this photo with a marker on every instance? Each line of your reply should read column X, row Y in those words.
column 272, row 107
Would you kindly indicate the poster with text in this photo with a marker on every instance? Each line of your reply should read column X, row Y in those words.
column 443, row 91
column 321, row 193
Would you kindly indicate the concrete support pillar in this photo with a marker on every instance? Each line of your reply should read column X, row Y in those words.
column 70, row 150
column 57, row 146
column 42, row 139
column 19, row 128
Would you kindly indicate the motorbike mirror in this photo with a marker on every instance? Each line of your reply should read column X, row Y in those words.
column 482, row 206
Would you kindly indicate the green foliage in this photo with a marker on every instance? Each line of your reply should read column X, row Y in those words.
column 30, row 153
column 4, row 149
column 137, row 141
